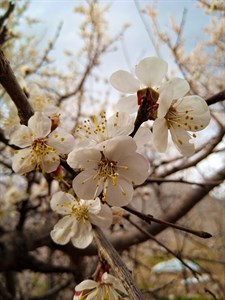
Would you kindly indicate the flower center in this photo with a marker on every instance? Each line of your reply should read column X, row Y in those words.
column 107, row 169
column 80, row 212
column 180, row 118
column 94, row 128
column 39, row 149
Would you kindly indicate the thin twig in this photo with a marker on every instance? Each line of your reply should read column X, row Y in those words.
column 162, row 245
column 148, row 219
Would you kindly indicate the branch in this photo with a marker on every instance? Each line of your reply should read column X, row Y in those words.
column 216, row 98
column 11, row 85
column 7, row 13
column 118, row 266
column 148, row 219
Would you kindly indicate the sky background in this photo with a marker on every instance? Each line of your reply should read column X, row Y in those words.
column 136, row 41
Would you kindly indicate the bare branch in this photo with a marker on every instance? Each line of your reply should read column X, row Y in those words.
column 11, row 85
column 112, row 257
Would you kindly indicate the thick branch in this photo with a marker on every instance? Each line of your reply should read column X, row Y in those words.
column 11, row 85
column 116, row 263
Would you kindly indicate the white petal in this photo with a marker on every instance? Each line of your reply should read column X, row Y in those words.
column 142, row 137
column 64, row 230
column 180, row 87
column 62, row 141
column 116, row 283
column 128, row 104
column 103, row 218
column 40, row 125
column 151, row 70
column 119, row 147
column 94, row 206
column 21, row 137
column 160, row 135
column 95, row 295
column 86, row 285
column 137, row 170
column 198, row 112
column 120, row 124
column 181, row 140
column 124, row 82
column 85, row 186
column 62, row 203
column 83, row 236
column 120, row 194
column 49, row 162
column 22, row 161
column 169, row 91
column 84, row 158
column 198, row 105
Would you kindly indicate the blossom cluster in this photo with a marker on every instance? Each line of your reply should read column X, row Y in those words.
column 106, row 154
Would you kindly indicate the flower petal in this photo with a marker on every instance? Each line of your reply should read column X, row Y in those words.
column 94, row 206
column 181, row 140
column 151, row 71
column 86, row 185
column 120, row 124
column 21, row 137
column 86, row 285
column 119, row 147
column 84, row 158
column 40, row 125
column 62, row 203
column 62, row 141
column 84, row 235
column 198, row 114
column 120, row 194
column 103, row 218
column 64, row 230
column 128, row 104
column 22, row 161
column 170, row 91
column 135, row 168
column 124, row 82
column 142, row 137
column 160, row 135
column 49, row 162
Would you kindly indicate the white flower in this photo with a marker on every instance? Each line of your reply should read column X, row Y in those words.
column 109, row 287
column 98, row 129
column 112, row 168
column 41, row 146
column 150, row 72
column 79, row 215
column 179, row 114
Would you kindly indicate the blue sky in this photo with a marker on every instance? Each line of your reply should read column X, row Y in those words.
column 136, row 40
